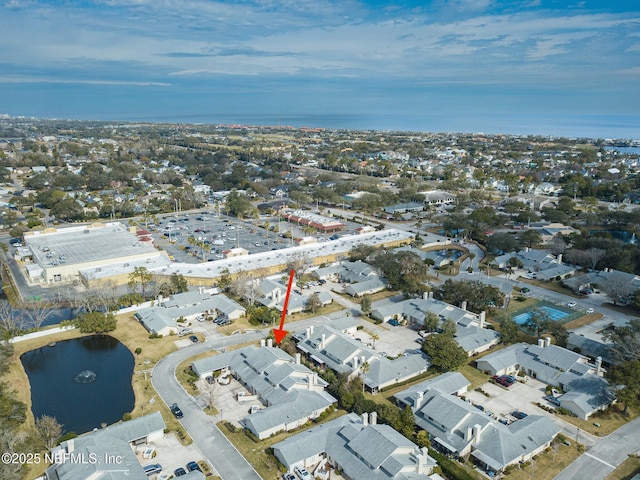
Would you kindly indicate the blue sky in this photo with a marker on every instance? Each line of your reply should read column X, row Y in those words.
column 470, row 62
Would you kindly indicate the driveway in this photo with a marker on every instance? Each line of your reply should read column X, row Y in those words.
column 523, row 397
column 600, row 460
column 216, row 449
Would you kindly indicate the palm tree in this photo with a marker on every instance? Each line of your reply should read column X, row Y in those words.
column 364, row 368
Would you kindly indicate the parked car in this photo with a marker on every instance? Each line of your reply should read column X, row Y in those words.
column 191, row 466
column 591, row 310
column 288, row 476
column 178, row 472
column 184, row 331
column 571, row 304
column 302, row 473
column 394, row 322
column 194, row 339
column 175, row 409
column 152, row 469
column 519, row 415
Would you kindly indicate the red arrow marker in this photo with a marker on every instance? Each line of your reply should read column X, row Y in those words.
column 280, row 333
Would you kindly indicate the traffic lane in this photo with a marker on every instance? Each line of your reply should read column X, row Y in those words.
column 585, row 467
column 216, row 448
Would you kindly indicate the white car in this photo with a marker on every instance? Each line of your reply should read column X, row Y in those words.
column 302, row 473
column 591, row 310
column 571, row 304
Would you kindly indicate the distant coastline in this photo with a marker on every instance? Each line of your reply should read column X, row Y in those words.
column 572, row 126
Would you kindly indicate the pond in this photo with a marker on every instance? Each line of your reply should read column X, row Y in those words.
column 84, row 383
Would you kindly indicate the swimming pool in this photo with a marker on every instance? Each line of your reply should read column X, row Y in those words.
column 553, row 313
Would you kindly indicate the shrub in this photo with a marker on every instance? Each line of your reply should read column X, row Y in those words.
column 126, row 417
column 138, row 351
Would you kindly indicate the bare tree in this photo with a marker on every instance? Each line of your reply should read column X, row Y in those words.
column 10, row 322
column 49, row 431
column 209, row 394
column 594, row 255
column 617, row 288
column 37, row 314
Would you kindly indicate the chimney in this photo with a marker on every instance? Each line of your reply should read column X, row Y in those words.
column 263, row 342
column 323, row 342
column 477, row 429
column 599, row 366
column 70, row 446
column 365, row 419
column 430, row 295
column 417, row 403
column 297, row 358
column 310, row 381
column 307, row 333
column 482, row 318
column 312, row 328
column 355, row 363
column 200, row 290
column 559, row 259
column 541, row 342
column 547, row 341
column 423, row 461
column 425, row 295
column 270, row 342
column 468, row 434
column 373, row 417
column 463, row 305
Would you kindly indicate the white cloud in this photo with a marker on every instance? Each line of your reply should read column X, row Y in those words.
column 153, row 39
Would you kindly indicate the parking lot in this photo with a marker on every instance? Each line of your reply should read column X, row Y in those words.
column 223, row 232
column 169, row 453
column 226, row 401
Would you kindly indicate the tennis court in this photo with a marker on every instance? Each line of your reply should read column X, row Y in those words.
column 554, row 314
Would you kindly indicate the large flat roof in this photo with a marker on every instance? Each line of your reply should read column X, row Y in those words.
column 84, row 244
column 274, row 258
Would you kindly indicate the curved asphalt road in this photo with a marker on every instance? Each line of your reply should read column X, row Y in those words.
column 214, row 445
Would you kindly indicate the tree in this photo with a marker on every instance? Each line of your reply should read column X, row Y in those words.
column 502, row 242
column 509, row 331
column 626, row 341
column 238, row 204
column 313, row 303
column 37, row 315
column 559, row 332
column 365, row 304
column 96, row 322
column 140, row 277
column 431, row 322
column 48, row 431
column 224, row 281
column 179, row 283
column 531, row 238
column 448, row 328
column 445, row 353
column 626, row 377
column 538, row 321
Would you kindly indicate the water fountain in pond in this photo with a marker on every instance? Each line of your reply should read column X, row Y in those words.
column 85, row 376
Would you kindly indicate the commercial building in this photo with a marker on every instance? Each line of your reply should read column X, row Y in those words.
column 86, row 252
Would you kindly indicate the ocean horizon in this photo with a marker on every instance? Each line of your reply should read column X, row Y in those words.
column 572, row 126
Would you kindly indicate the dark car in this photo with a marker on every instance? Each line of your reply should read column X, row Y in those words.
column 194, row 339
column 519, row 415
column 175, row 409
column 288, row 476
column 394, row 322
column 178, row 472
column 191, row 466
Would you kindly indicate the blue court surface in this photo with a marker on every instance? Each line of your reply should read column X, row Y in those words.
column 553, row 314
